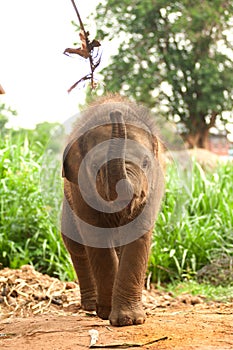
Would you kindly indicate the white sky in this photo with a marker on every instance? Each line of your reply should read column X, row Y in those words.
column 33, row 70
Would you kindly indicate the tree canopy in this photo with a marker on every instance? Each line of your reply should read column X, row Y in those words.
column 175, row 54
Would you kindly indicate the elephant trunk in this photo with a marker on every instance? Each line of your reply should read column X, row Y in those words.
column 116, row 170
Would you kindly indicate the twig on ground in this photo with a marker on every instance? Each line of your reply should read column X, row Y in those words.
column 126, row 345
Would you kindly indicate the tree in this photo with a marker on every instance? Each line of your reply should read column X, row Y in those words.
column 5, row 112
column 175, row 54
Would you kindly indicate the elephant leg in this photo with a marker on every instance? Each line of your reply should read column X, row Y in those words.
column 104, row 263
column 127, row 293
column 84, row 273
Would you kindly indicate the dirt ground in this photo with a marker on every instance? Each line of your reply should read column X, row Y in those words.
column 42, row 313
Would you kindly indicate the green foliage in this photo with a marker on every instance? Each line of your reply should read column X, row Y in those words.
column 190, row 235
column 4, row 117
column 27, row 235
column 39, row 137
column 183, row 44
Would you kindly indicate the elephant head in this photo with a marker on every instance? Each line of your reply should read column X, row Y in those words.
column 112, row 164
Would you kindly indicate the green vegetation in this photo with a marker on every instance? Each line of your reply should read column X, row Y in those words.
column 172, row 54
column 207, row 290
column 5, row 111
column 195, row 225
column 26, row 233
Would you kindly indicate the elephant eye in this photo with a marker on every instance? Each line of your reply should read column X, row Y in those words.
column 145, row 162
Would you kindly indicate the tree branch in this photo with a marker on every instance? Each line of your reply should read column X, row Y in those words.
column 78, row 15
column 86, row 51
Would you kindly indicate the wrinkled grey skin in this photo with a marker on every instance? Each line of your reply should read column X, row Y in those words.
column 109, row 243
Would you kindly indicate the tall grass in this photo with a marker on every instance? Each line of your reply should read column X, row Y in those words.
column 202, row 230
column 186, row 237
column 26, row 233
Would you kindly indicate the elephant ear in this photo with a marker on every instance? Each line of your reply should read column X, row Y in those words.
column 71, row 162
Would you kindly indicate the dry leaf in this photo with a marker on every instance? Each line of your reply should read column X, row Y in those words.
column 80, row 52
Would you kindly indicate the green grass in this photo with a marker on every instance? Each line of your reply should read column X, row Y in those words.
column 207, row 290
column 195, row 225
column 27, row 235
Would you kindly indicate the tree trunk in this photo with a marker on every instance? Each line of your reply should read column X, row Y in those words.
column 199, row 139
column 199, row 136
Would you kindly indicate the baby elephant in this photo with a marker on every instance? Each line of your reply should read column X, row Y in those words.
column 113, row 186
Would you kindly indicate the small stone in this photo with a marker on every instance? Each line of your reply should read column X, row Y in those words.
column 71, row 285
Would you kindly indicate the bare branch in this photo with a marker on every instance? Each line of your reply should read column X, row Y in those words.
column 85, row 51
column 78, row 15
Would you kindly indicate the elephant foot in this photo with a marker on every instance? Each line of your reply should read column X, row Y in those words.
column 103, row 311
column 127, row 317
column 88, row 305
